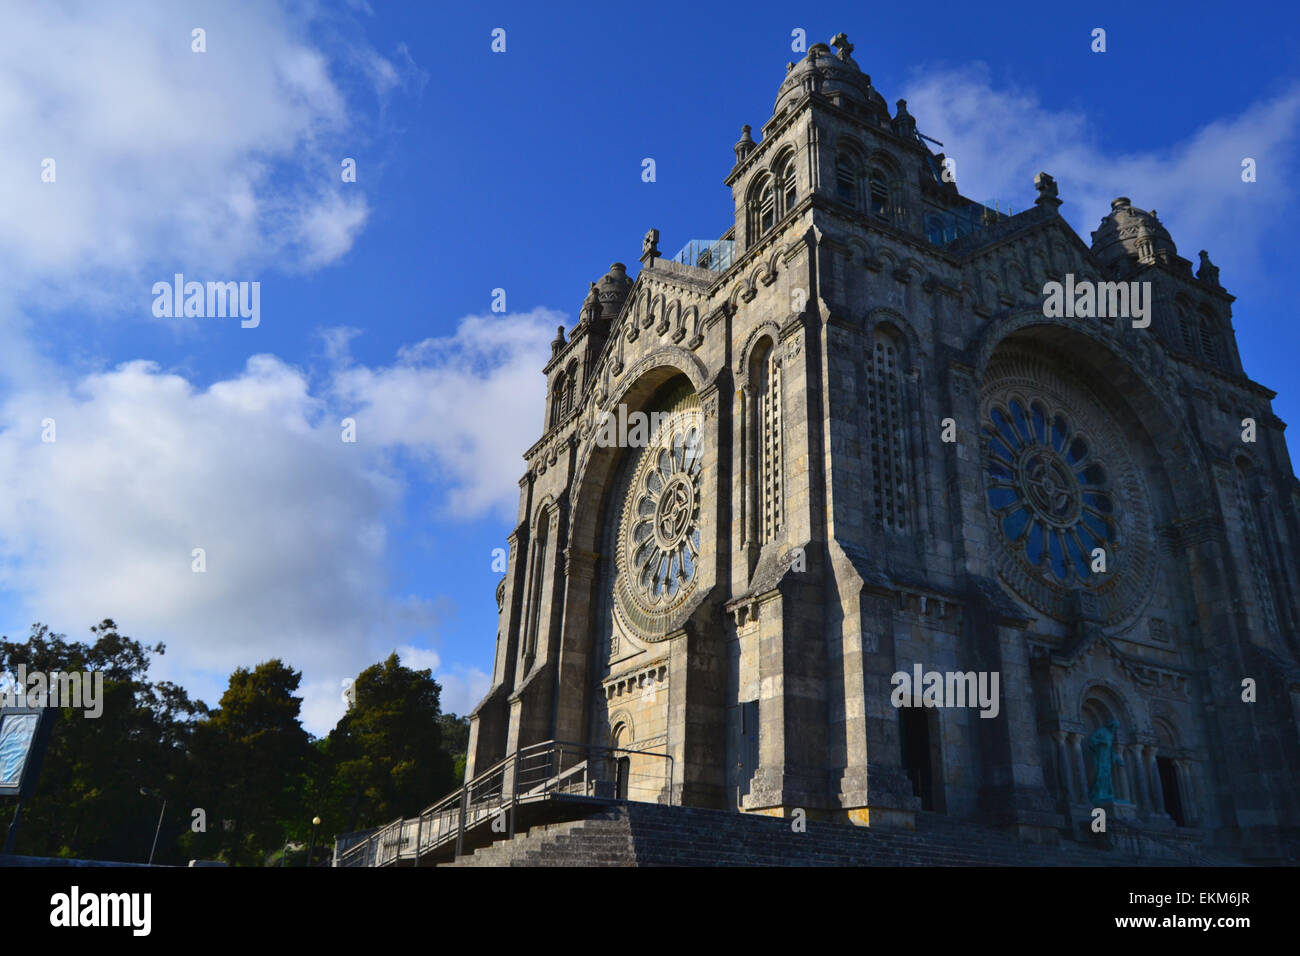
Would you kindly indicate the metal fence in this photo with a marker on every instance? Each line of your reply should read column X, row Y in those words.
column 544, row 771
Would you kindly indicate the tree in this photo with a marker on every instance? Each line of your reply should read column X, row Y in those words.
column 87, row 801
column 386, row 751
column 455, row 741
column 254, row 759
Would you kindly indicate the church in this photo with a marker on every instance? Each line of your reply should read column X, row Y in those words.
column 849, row 443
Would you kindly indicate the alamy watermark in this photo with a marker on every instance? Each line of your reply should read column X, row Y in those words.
column 215, row 300
column 624, row 429
column 80, row 690
column 1086, row 299
column 951, row 689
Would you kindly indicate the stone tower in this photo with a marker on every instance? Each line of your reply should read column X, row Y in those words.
column 858, row 444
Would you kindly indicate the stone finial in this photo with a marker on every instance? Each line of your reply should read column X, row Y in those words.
column 1208, row 272
column 1047, row 191
column 558, row 342
column 650, row 245
column 789, row 66
column 745, row 145
column 904, row 123
column 590, row 306
column 843, row 48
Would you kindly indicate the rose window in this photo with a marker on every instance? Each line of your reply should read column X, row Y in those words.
column 658, row 536
column 664, row 534
column 1048, row 491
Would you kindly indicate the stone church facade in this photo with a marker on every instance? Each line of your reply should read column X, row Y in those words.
column 873, row 451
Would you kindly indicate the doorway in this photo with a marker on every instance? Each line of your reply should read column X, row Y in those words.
column 914, row 735
column 1169, row 784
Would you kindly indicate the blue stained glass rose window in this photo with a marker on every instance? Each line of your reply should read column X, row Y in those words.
column 1047, row 494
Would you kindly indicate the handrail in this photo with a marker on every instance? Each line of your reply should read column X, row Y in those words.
column 538, row 772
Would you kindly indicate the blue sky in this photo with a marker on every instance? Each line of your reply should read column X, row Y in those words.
column 475, row 171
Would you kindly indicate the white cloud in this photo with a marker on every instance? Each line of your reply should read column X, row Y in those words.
column 146, row 468
column 1001, row 137
column 293, row 521
column 166, row 158
column 468, row 405
column 462, row 687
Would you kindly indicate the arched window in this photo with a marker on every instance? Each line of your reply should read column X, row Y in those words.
column 766, row 208
column 934, row 230
column 765, row 373
column 762, row 209
column 538, row 573
column 846, row 179
column 1209, row 331
column 787, row 185
column 1187, row 329
column 1173, row 774
column 881, row 206
column 570, row 388
column 558, row 394
column 887, row 416
column 1252, row 530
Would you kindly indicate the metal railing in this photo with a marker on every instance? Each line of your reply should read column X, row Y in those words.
column 713, row 254
column 541, row 772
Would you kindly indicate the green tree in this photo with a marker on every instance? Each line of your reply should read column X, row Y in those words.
column 87, row 802
column 254, row 759
column 455, row 741
column 387, row 751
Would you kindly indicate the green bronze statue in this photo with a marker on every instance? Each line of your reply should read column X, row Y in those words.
column 1101, row 744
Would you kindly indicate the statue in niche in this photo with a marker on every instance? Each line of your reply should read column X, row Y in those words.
column 1101, row 745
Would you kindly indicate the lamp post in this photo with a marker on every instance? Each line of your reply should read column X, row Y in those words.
column 311, row 843
column 146, row 792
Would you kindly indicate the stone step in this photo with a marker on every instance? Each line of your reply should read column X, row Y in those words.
column 651, row 835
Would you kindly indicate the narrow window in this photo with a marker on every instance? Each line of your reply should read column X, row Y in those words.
column 766, row 209
column 934, row 230
column 879, row 195
column 888, row 423
column 762, row 210
column 536, row 590
column 1189, row 334
column 846, row 181
column 1209, row 339
column 789, row 186
column 1252, row 531
column 558, row 399
column 767, row 441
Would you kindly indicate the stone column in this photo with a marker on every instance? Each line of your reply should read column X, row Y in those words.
column 1063, row 765
column 1188, row 792
column 1080, row 768
column 1119, row 777
column 1133, row 776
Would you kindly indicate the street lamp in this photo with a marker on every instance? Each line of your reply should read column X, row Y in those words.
column 311, row 844
column 146, row 792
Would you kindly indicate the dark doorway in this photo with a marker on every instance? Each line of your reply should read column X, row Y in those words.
column 1169, row 784
column 914, row 734
column 622, row 769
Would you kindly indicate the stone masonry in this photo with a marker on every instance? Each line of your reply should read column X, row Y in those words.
column 876, row 447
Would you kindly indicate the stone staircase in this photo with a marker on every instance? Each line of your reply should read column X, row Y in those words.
column 643, row 834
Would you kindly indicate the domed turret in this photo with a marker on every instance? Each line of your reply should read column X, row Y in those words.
column 1134, row 234
column 829, row 74
column 612, row 290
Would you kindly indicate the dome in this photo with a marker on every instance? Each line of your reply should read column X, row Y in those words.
column 829, row 73
column 1133, row 233
column 612, row 290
